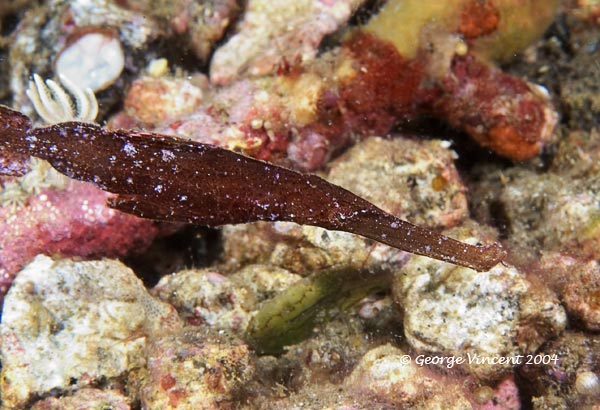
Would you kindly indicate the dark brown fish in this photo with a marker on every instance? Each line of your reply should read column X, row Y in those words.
column 166, row 178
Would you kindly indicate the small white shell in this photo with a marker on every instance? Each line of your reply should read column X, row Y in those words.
column 95, row 60
column 587, row 383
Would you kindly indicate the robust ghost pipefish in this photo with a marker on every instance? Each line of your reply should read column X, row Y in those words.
column 170, row 179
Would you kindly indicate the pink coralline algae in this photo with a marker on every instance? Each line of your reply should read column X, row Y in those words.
column 70, row 222
column 505, row 397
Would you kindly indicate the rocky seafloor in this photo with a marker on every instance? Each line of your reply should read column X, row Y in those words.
column 478, row 119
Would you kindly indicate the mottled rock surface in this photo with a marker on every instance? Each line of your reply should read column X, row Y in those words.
column 390, row 375
column 292, row 36
column 68, row 325
column 205, row 296
column 577, row 283
column 388, row 372
column 555, row 210
column 422, row 184
column 570, row 381
column 89, row 399
column 196, row 371
column 481, row 316
column 155, row 100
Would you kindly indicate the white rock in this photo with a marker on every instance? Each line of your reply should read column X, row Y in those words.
column 66, row 321
column 488, row 318
column 392, row 376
